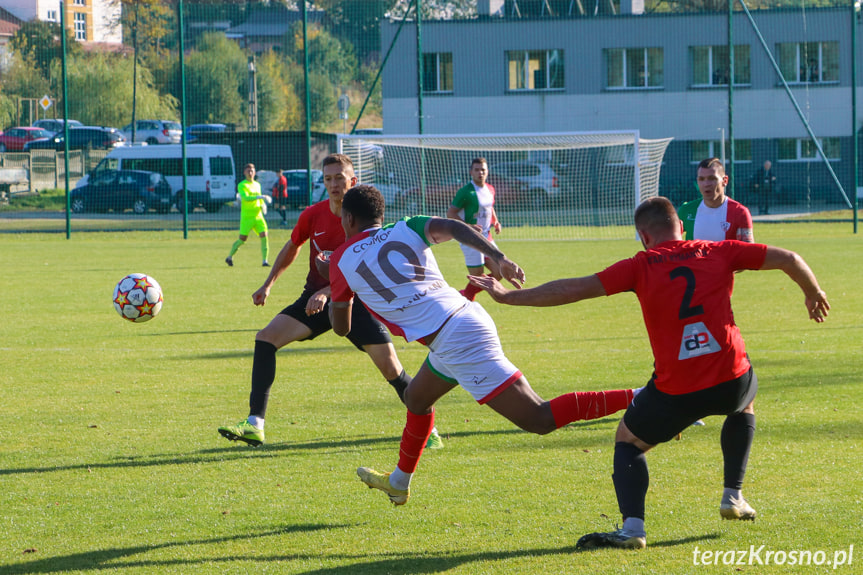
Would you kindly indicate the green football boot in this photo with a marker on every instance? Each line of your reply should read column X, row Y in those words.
column 243, row 431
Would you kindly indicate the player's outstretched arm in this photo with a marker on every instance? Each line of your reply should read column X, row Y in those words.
column 286, row 257
column 440, row 230
column 798, row 270
column 558, row 292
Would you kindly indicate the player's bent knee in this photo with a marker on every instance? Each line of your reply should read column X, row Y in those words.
column 416, row 404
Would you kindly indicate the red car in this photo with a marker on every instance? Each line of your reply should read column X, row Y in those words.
column 13, row 139
column 509, row 193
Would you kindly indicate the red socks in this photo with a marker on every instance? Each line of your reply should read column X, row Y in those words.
column 588, row 405
column 418, row 428
column 470, row 292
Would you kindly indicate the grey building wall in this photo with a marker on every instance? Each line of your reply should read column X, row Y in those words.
column 481, row 103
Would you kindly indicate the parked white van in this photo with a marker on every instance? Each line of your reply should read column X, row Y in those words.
column 210, row 173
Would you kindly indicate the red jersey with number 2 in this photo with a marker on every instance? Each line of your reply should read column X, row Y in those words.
column 684, row 288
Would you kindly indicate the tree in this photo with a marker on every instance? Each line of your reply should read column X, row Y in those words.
column 358, row 22
column 40, row 44
column 97, row 98
column 150, row 23
column 438, row 9
column 25, row 79
column 323, row 101
column 216, row 81
column 327, row 54
column 279, row 107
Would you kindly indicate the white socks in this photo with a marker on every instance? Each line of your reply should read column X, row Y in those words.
column 400, row 480
column 256, row 421
column 730, row 496
column 633, row 527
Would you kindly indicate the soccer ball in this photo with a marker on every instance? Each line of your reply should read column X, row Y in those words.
column 138, row 297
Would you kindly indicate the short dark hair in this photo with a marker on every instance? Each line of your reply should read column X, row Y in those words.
column 709, row 163
column 365, row 203
column 249, row 165
column 479, row 160
column 656, row 215
column 340, row 159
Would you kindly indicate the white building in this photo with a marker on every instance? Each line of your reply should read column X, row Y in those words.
column 93, row 21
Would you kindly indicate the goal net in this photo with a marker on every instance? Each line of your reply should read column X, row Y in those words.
column 581, row 185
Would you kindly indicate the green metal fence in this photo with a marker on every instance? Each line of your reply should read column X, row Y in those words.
column 276, row 82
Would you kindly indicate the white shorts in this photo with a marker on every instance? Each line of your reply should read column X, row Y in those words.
column 474, row 258
column 467, row 351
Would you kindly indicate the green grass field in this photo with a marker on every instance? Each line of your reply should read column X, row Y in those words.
column 110, row 461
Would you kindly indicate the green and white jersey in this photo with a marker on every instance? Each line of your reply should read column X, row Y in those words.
column 475, row 205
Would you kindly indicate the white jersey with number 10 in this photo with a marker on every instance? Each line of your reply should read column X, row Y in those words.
column 395, row 274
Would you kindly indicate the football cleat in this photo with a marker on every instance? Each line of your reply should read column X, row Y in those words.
column 230, row 261
column 434, row 440
column 243, row 431
column 615, row 539
column 377, row 480
column 265, row 264
column 737, row 509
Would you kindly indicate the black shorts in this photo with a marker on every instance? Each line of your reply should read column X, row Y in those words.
column 365, row 329
column 656, row 417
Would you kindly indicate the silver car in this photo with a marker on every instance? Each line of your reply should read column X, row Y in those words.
column 543, row 182
column 154, row 132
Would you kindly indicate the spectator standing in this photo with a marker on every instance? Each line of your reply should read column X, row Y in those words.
column 280, row 193
column 764, row 185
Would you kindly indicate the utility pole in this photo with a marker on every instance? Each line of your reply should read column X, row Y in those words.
column 253, row 96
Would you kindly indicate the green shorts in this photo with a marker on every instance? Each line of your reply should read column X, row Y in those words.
column 257, row 223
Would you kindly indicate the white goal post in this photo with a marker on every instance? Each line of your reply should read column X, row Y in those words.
column 577, row 185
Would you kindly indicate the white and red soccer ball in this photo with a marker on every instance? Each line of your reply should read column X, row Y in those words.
column 138, row 298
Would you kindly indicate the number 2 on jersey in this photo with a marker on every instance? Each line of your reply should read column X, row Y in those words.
column 686, row 309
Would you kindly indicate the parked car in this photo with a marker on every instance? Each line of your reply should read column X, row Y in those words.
column 155, row 132
column 541, row 179
column 83, row 138
column 298, row 187
column 509, row 193
column 210, row 180
column 267, row 179
column 55, row 126
column 195, row 130
column 13, row 139
column 120, row 190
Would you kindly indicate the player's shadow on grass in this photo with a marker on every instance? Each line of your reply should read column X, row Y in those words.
column 437, row 563
column 238, row 450
column 112, row 559
column 414, row 563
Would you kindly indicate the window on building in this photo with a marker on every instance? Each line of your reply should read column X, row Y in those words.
column 804, row 150
column 80, row 2
column 80, row 26
column 51, row 16
column 437, row 72
column 809, row 62
column 535, row 69
column 703, row 149
column 635, row 67
column 710, row 65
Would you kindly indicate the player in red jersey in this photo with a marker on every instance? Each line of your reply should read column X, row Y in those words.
column 700, row 362
column 308, row 317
